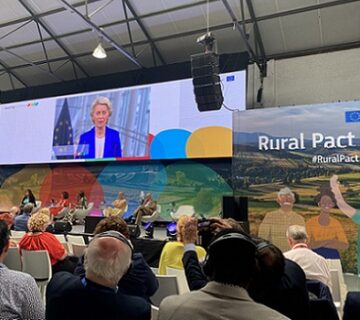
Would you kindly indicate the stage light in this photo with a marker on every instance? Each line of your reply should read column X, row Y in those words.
column 171, row 230
column 99, row 52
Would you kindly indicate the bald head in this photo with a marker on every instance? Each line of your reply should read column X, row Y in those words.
column 107, row 258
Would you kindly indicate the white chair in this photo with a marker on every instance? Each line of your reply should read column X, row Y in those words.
column 181, row 278
column 334, row 273
column 78, row 249
column 168, row 285
column 154, row 270
column 60, row 237
column 13, row 259
column 75, row 239
column 17, row 234
column 154, row 215
column 154, row 312
column 80, row 214
column 183, row 210
column 38, row 203
column 38, row 265
column 336, row 264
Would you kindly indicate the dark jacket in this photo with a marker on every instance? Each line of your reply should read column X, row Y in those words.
column 72, row 297
column 112, row 148
column 138, row 281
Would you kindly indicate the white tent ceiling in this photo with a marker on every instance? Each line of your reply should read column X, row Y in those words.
column 51, row 41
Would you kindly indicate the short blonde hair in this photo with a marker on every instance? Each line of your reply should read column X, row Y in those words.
column 180, row 225
column 101, row 100
column 38, row 222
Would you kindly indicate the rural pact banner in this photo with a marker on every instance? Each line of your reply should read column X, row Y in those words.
column 294, row 163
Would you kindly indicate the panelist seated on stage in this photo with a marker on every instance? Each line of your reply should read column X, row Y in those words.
column 100, row 141
column 28, row 198
column 120, row 206
column 147, row 208
column 62, row 204
column 139, row 280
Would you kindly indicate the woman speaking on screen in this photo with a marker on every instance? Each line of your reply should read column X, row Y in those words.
column 100, row 141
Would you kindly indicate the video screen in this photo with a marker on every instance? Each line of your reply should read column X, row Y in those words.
column 156, row 121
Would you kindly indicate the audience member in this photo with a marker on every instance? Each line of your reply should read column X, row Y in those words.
column 172, row 253
column 38, row 239
column 28, row 198
column 8, row 219
column 314, row 265
column 274, row 225
column 147, row 208
column 280, row 284
column 19, row 294
column 14, row 211
column 230, row 266
column 96, row 296
column 139, row 280
column 22, row 219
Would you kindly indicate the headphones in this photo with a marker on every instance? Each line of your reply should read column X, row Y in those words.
column 119, row 236
column 208, row 264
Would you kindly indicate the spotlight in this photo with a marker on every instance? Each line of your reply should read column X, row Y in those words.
column 171, row 231
column 149, row 230
column 99, row 52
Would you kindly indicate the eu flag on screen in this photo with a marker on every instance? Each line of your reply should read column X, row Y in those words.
column 63, row 140
column 352, row 116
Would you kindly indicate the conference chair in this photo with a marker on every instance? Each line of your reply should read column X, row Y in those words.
column 37, row 264
column 13, row 259
column 334, row 273
column 181, row 278
column 107, row 212
column 168, row 285
column 78, row 249
column 154, row 312
column 152, row 217
column 60, row 237
column 17, row 234
column 183, row 210
column 80, row 214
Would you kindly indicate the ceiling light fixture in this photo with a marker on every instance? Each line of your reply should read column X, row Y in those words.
column 99, row 52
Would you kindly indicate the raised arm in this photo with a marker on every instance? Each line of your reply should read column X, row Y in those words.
column 341, row 203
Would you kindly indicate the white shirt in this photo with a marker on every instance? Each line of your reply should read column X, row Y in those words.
column 315, row 266
column 99, row 147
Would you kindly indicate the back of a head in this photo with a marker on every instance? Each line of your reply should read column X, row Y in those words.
column 8, row 219
column 28, row 208
column 297, row 233
column 4, row 235
column 113, row 223
column 107, row 257
column 231, row 258
column 271, row 262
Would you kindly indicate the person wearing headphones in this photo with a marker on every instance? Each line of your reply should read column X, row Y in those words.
column 279, row 283
column 96, row 295
column 230, row 265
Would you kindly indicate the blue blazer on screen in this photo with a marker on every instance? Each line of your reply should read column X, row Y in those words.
column 86, row 148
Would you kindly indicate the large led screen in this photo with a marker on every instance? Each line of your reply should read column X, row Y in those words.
column 157, row 121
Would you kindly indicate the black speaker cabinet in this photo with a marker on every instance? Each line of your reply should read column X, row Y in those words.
column 91, row 222
column 206, row 81
column 235, row 207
